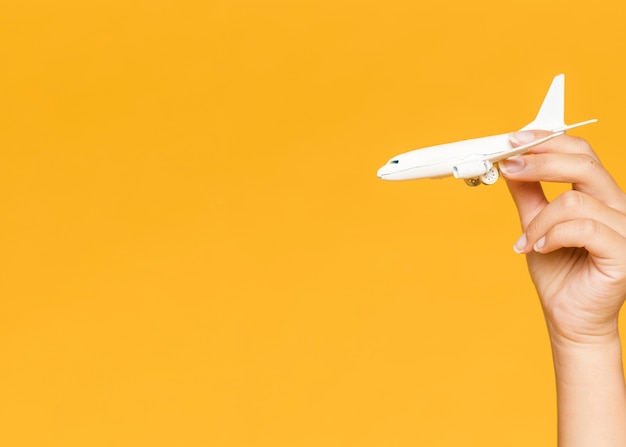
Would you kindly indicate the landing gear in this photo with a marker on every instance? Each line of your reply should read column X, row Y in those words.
column 491, row 176
column 488, row 178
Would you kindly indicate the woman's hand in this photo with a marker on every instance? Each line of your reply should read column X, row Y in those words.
column 576, row 252
column 575, row 245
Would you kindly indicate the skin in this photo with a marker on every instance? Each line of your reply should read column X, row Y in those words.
column 575, row 247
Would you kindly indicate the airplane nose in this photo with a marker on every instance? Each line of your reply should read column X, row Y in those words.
column 381, row 172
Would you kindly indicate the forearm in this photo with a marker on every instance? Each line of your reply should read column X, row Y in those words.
column 591, row 395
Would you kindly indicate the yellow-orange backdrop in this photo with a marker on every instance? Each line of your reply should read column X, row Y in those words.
column 196, row 250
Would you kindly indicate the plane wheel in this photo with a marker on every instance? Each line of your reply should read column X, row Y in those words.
column 472, row 181
column 491, row 176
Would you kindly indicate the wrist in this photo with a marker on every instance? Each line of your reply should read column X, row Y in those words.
column 596, row 336
column 606, row 347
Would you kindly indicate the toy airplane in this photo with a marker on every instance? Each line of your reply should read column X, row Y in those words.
column 475, row 160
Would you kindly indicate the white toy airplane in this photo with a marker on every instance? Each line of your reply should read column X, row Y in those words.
column 476, row 160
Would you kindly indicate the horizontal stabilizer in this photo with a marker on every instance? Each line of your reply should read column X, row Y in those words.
column 573, row 126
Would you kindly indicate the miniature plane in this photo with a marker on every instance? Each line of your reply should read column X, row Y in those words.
column 475, row 161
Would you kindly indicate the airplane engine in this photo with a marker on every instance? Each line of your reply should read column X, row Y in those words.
column 472, row 169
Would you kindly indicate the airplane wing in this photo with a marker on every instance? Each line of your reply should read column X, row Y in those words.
column 524, row 148
column 521, row 149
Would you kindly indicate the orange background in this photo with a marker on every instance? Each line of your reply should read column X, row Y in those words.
column 196, row 250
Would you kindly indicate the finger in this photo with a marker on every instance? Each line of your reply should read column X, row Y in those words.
column 583, row 171
column 564, row 144
column 605, row 245
column 571, row 205
column 529, row 199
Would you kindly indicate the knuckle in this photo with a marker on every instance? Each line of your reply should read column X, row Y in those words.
column 537, row 164
column 590, row 227
column 619, row 202
column 583, row 146
column 588, row 163
column 571, row 200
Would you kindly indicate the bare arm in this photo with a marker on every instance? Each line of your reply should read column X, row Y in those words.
column 576, row 252
column 591, row 396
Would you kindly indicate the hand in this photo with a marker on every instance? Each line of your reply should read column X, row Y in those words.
column 575, row 245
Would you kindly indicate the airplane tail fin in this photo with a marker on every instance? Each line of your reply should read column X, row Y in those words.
column 552, row 111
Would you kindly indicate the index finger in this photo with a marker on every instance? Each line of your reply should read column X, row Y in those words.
column 567, row 160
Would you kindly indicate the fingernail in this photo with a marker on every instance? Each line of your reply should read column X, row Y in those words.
column 539, row 244
column 526, row 136
column 512, row 165
column 520, row 244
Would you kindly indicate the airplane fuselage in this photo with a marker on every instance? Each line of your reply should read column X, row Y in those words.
column 439, row 161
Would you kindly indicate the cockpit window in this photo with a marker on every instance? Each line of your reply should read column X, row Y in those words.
column 394, row 162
